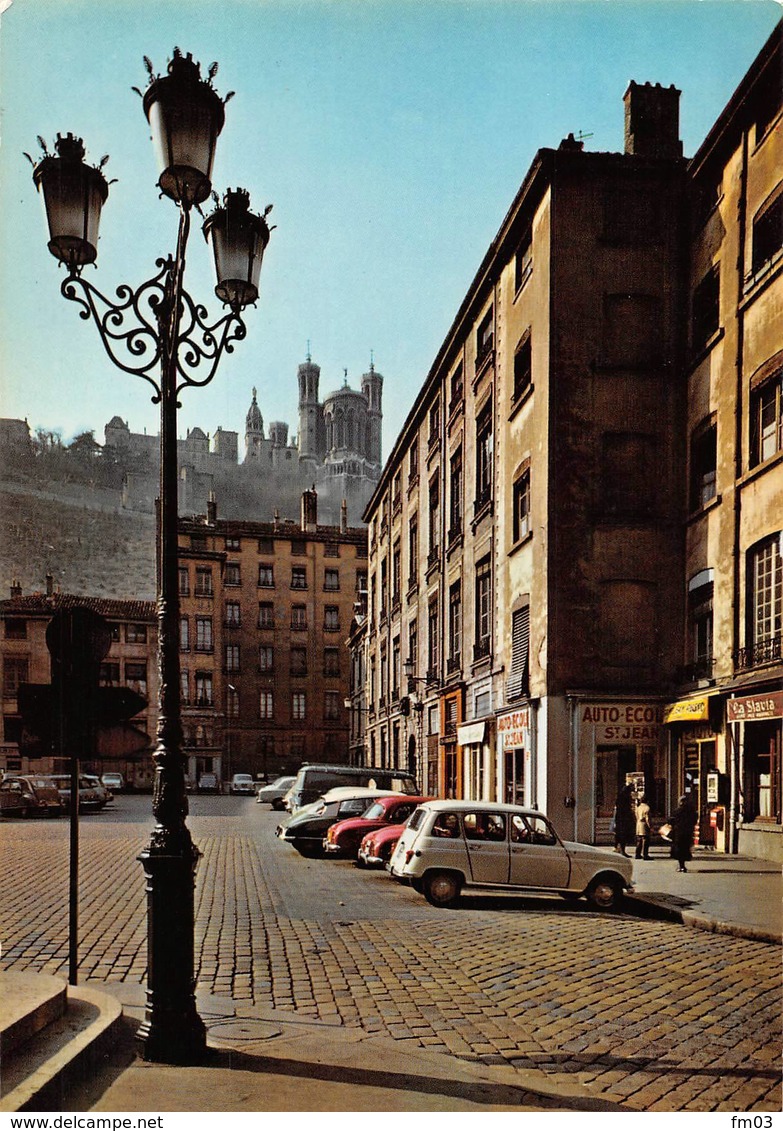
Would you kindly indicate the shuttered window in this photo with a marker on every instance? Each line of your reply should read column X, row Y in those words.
column 520, row 647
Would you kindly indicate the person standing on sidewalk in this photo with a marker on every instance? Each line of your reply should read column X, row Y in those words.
column 683, row 823
column 624, row 820
column 642, row 829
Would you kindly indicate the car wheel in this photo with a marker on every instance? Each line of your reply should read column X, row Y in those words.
column 442, row 889
column 309, row 848
column 605, row 894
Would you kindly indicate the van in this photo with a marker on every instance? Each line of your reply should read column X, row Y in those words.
column 313, row 780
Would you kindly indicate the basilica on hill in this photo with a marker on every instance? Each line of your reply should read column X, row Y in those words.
column 337, row 449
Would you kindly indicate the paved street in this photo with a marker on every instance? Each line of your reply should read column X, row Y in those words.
column 648, row 1014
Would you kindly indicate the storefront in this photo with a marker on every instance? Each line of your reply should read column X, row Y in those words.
column 700, row 764
column 756, row 725
column 517, row 785
column 471, row 741
column 616, row 742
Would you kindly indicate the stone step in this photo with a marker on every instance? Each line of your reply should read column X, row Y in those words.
column 51, row 1034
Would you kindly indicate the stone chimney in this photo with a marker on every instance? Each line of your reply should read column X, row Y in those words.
column 49, row 585
column 652, row 120
column 211, row 509
column 309, row 510
column 343, row 516
column 16, row 588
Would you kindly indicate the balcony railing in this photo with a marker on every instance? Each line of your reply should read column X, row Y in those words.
column 698, row 669
column 767, row 651
column 481, row 649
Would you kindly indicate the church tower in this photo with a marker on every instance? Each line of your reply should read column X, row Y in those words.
column 372, row 388
column 254, row 432
column 309, row 410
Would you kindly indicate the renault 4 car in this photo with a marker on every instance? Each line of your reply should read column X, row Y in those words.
column 450, row 845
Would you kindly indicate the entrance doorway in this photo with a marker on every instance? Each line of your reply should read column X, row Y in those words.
column 612, row 765
column 698, row 758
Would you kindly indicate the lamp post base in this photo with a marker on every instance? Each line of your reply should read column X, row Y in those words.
column 172, row 1031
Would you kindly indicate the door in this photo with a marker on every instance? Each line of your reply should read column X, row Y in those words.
column 538, row 859
column 487, row 843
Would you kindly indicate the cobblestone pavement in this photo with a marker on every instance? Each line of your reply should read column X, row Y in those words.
column 651, row 1015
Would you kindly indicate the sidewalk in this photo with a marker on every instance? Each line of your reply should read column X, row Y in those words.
column 734, row 895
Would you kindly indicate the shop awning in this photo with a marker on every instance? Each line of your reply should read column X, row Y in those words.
column 471, row 733
column 692, row 710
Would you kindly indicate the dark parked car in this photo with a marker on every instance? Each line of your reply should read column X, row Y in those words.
column 306, row 829
column 345, row 837
column 25, row 796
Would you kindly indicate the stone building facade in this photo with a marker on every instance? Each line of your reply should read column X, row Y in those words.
column 559, row 518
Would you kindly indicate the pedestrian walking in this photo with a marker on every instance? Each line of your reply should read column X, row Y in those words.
column 624, row 820
column 642, row 829
column 683, row 823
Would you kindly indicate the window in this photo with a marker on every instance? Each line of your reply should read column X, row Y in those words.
column 483, row 610
column 628, row 475
column 523, row 368
column 397, row 492
column 521, row 504
column 298, row 705
column 767, row 101
column 266, row 576
column 298, row 661
column 700, row 592
column 413, row 462
column 233, row 614
column 331, row 661
column 203, row 581
column 15, row 671
column 136, row 677
column 705, row 312
column 413, row 551
column 232, row 543
column 332, row 580
column 266, row 615
column 455, row 496
column 517, row 682
column 766, row 420
column 383, row 607
column 15, row 629
column 266, row 658
column 299, row 617
column 433, row 640
column 413, row 644
column 457, row 388
column 484, row 337
column 203, row 634
column 434, row 429
column 704, row 463
column 298, row 547
column 233, row 573
column 332, row 550
column 232, row 657
column 361, row 582
column 331, row 706
column 198, row 542
column 184, row 688
column 483, row 458
column 396, row 573
column 331, row 618
column 232, row 702
column 395, row 669
column 299, row 577
column 455, row 626
column 109, row 674
column 184, row 634
column 768, row 232
column 266, row 545
column 184, row 582
column 136, row 633
column 523, row 260
column 766, row 600
column 203, row 689
column 266, row 705
column 434, row 511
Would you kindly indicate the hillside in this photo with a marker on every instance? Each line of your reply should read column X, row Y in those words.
column 82, row 537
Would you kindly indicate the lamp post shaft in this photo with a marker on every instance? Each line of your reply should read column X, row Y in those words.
column 172, row 1030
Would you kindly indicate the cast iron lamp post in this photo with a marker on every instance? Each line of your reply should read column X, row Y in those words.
column 157, row 332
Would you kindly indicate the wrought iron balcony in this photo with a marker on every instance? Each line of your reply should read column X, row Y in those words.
column 766, row 651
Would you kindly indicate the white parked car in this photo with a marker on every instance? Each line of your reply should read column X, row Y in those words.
column 242, row 783
column 449, row 845
column 273, row 794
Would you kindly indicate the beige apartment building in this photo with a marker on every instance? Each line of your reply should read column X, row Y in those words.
column 266, row 608
column 538, row 558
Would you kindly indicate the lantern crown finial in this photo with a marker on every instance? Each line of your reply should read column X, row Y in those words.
column 70, row 148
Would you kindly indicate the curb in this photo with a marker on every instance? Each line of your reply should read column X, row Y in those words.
column 648, row 908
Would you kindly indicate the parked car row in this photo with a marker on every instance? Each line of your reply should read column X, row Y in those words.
column 442, row 847
column 25, row 795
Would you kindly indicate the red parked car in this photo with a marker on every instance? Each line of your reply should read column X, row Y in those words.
column 344, row 838
column 376, row 849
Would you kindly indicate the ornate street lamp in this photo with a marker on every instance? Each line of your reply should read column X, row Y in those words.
column 157, row 332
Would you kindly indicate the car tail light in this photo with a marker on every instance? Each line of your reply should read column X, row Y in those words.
column 409, row 855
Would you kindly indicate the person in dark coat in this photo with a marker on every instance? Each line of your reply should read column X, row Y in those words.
column 683, row 823
column 624, row 820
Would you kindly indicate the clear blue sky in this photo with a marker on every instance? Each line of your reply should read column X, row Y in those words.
column 391, row 136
